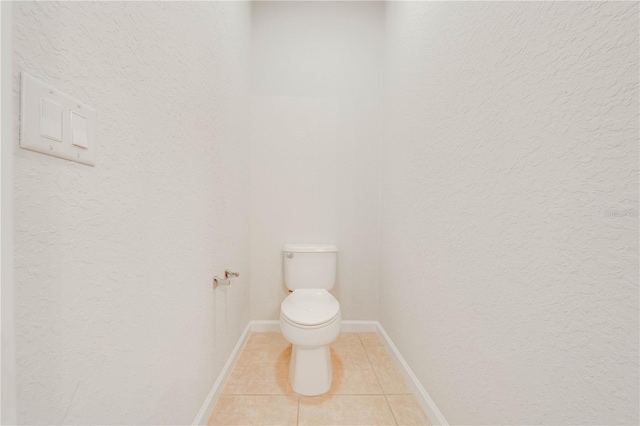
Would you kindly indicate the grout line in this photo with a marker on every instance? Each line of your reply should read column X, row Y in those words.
column 434, row 415
column 370, row 350
column 391, row 409
column 374, row 370
column 363, row 346
column 380, row 346
column 371, row 365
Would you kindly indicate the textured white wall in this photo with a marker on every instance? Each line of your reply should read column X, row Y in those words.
column 513, row 129
column 316, row 95
column 117, row 321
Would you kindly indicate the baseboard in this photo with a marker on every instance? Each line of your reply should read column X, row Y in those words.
column 212, row 398
column 354, row 326
column 421, row 394
column 348, row 326
column 265, row 326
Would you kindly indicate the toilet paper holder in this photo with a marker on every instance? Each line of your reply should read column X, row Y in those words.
column 226, row 281
column 228, row 274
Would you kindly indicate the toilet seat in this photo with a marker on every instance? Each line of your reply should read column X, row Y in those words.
column 309, row 327
column 310, row 307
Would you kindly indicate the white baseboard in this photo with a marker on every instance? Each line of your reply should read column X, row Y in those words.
column 265, row 326
column 354, row 326
column 348, row 326
column 421, row 394
column 212, row 398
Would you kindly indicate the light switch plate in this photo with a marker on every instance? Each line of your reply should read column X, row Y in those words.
column 39, row 125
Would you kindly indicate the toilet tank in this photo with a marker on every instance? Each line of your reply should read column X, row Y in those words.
column 310, row 266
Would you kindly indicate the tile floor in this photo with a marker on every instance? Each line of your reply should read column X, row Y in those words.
column 367, row 387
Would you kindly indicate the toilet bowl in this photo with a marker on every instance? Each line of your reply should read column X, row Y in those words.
column 310, row 318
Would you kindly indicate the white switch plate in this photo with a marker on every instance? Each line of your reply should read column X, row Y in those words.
column 35, row 94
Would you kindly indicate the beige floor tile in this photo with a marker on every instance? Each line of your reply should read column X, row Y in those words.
column 352, row 371
column 385, row 367
column 262, row 369
column 388, row 374
column 346, row 341
column 370, row 339
column 407, row 411
column 255, row 410
column 345, row 410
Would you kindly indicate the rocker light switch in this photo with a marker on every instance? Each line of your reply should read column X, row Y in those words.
column 50, row 119
column 79, row 130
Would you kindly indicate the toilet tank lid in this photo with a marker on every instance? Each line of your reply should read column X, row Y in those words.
column 310, row 248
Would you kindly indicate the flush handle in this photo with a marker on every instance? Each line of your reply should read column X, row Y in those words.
column 290, row 255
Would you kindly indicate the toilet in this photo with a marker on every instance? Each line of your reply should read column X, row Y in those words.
column 310, row 316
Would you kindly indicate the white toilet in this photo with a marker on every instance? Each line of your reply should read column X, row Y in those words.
column 310, row 316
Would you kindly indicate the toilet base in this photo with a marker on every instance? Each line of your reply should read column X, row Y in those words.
column 310, row 370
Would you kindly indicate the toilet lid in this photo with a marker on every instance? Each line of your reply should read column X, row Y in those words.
column 310, row 306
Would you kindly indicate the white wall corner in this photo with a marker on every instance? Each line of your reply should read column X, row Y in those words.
column 8, row 392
